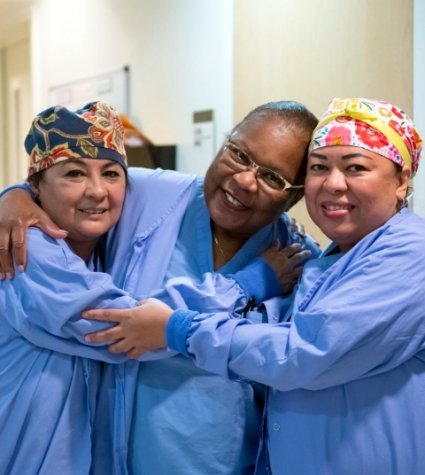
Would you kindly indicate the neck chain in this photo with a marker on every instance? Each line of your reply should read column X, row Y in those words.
column 217, row 243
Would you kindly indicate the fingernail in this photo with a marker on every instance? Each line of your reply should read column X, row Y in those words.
column 9, row 276
column 21, row 268
column 87, row 339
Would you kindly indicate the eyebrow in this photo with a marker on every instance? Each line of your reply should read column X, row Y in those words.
column 344, row 157
column 80, row 161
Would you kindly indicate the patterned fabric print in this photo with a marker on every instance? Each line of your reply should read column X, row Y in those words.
column 58, row 134
column 373, row 125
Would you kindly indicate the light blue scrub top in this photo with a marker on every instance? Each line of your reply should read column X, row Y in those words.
column 141, row 251
column 188, row 421
column 346, row 374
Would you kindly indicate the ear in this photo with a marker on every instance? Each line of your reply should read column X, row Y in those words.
column 404, row 181
column 35, row 189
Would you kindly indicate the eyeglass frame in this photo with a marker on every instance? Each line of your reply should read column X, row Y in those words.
column 249, row 164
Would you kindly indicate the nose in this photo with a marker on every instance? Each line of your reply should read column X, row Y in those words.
column 96, row 189
column 247, row 179
column 335, row 181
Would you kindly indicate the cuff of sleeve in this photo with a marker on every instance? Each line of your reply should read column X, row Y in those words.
column 177, row 330
column 22, row 186
column 258, row 280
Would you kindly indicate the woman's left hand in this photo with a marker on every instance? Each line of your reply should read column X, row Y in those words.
column 137, row 330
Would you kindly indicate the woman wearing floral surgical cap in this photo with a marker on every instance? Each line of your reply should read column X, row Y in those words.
column 345, row 366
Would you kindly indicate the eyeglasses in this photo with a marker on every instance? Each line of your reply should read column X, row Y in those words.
column 240, row 161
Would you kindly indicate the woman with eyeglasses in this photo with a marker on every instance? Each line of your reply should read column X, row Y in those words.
column 345, row 365
column 184, row 420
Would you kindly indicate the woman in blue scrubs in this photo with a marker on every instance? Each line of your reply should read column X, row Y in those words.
column 77, row 170
column 175, row 225
column 345, row 366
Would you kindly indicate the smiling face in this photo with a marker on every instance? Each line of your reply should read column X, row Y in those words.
column 84, row 197
column 239, row 205
column 351, row 191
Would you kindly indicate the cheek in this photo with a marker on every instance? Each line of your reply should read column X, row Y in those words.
column 117, row 199
column 212, row 180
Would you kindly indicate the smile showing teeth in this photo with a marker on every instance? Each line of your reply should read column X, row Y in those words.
column 337, row 207
column 233, row 200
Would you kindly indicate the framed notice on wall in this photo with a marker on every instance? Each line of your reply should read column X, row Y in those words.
column 112, row 87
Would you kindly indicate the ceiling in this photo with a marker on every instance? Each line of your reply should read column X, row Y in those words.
column 14, row 20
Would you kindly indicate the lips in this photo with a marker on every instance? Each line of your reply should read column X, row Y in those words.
column 233, row 202
column 337, row 207
column 92, row 211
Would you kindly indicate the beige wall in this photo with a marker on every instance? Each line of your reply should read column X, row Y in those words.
column 16, row 113
column 313, row 50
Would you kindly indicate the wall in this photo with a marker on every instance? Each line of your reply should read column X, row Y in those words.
column 179, row 53
column 15, row 110
column 313, row 50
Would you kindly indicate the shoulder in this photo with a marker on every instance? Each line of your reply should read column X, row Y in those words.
column 397, row 248
column 406, row 230
column 158, row 176
column 150, row 187
column 45, row 251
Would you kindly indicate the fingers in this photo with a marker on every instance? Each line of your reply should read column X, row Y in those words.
column 300, row 257
column 6, row 265
column 104, row 336
column 50, row 228
column 19, row 248
column 297, row 228
column 122, row 346
column 292, row 249
column 104, row 314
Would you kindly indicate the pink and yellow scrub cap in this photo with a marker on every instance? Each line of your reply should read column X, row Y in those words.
column 373, row 125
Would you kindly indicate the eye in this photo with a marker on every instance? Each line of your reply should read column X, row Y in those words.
column 356, row 168
column 317, row 167
column 111, row 174
column 238, row 155
column 273, row 179
column 74, row 173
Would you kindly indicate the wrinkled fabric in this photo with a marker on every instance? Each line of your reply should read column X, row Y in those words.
column 185, row 420
column 141, row 254
column 49, row 378
column 346, row 373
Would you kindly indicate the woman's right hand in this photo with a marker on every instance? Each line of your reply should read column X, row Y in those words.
column 17, row 213
column 287, row 264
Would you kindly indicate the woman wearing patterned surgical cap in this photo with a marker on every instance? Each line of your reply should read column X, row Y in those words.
column 345, row 366
column 186, row 421
column 77, row 169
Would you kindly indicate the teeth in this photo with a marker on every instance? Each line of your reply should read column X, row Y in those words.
column 337, row 207
column 233, row 200
column 92, row 211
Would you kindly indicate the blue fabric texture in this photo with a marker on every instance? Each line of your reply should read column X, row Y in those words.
column 258, row 280
column 195, row 422
column 346, row 372
column 182, row 319
column 147, row 417
column 49, row 376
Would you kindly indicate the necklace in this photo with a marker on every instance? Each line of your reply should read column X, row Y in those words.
column 217, row 243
